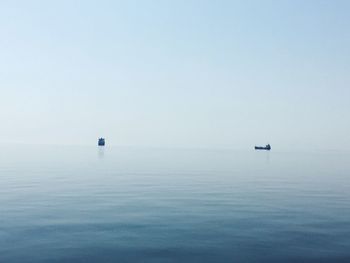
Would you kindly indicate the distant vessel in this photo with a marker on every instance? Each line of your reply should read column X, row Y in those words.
column 101, row 142
column 267, row 147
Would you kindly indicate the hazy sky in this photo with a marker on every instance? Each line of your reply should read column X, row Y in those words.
column 176, row 73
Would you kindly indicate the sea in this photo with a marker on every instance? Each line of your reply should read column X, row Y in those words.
column 129, row 204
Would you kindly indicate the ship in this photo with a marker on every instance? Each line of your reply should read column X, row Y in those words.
column 101, row 142
column 267, row 147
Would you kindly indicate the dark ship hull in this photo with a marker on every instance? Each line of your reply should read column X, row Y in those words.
column 266, row 148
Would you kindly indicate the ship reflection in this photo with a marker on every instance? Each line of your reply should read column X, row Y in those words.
column 101, row 152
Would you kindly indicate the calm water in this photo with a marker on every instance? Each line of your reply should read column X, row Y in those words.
column 84, row 204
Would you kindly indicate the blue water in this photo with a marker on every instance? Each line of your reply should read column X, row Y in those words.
column 115, row 204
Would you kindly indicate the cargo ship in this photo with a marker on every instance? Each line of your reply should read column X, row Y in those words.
column 267, row 147
column 101, row 142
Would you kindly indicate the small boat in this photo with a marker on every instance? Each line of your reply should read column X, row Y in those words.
column 267, row 147
column 101, row 142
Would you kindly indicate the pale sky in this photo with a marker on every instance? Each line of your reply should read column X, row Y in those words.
column 176, row 73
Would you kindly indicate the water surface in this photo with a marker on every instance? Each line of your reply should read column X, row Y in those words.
column 115, row 204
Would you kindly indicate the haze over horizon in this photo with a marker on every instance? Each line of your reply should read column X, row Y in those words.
column 176, row 73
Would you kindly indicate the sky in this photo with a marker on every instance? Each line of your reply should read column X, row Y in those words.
column 181, row 73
